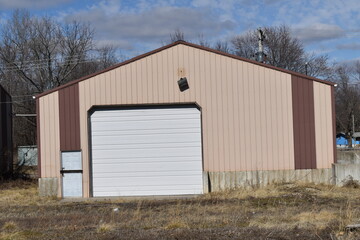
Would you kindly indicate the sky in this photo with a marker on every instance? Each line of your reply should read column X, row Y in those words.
column 328, row 27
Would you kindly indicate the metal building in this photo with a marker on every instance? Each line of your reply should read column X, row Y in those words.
column 6, row 156
column 131, row 130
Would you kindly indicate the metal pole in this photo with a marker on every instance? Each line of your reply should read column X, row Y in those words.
column 353, row 129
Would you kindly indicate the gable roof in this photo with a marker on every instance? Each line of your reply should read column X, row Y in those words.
column 190, row 45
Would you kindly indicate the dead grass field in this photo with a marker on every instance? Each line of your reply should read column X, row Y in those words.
column 285, row 211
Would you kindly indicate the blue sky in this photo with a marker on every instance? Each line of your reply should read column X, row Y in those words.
column 324, row 26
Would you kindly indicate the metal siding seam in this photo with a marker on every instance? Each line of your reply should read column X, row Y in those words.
column 61, row 116
column 333, row 122
column 295, row 96
column 306, row 120
column 312, row 126
column 38, row 135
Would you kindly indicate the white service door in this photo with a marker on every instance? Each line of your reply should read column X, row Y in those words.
column 71, row 174
column 150, row 151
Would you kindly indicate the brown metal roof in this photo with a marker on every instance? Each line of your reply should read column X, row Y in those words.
column 190, row 45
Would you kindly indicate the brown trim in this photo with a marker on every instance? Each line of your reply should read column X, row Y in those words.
column 69, row 118
column 304, row 123
column 38, row 135
column 333, row 113
column 190, row 45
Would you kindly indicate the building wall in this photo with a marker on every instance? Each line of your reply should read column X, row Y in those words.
column 247, row 110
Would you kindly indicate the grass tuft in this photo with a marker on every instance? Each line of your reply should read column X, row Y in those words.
column 105, row 227
column 176, row 224
column 351, row 183
column 9, row 226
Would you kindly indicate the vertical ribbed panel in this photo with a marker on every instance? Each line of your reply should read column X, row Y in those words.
column 323, row 125
column 304, row 123
column 69, row 118
column 49, row 135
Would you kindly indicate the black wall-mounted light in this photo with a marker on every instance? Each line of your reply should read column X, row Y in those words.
column 183, row 84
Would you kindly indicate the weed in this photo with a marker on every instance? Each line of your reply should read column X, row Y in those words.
column 9, row 226
column 176, row 224
column 105, row 227
column 351, row 183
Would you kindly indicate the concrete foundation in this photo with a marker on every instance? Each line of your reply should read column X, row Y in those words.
column 228, row 180
column 217, row 181
column 348, row 156
column 346, row 171
column 48, row 186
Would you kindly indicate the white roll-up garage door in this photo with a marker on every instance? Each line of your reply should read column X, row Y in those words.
column 146, row 151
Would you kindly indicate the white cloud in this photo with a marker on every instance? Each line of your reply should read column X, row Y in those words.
column 318, row 32
column 33, row 4
column 349, row 46
column 152, row 25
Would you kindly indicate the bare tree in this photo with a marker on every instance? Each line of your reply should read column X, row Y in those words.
column 41, row 52
column 222, row 46
column 37, row 54
column 282, row 50
column 202, row 41
column 101, row 58
column 245, row 45
column 106, row 56
column 347, row 99
column 177, row 35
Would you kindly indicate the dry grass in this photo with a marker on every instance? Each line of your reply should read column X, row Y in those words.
column 105, row 227
column 284, row 211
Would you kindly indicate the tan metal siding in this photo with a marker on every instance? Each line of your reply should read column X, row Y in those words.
column 246, row 109
column 323, row 125
column 49, row 135
column 69, row 118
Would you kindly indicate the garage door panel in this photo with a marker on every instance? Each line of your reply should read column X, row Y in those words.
column 145, row 118
column 144, row 146
column 146, row 152
column 148, row 181
column 168, row 139
column 126, row 153
column 122, row 192
column 147, row 167
column 164, row 175
column 126, row 132
column 164, row 159
column 145, row 125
